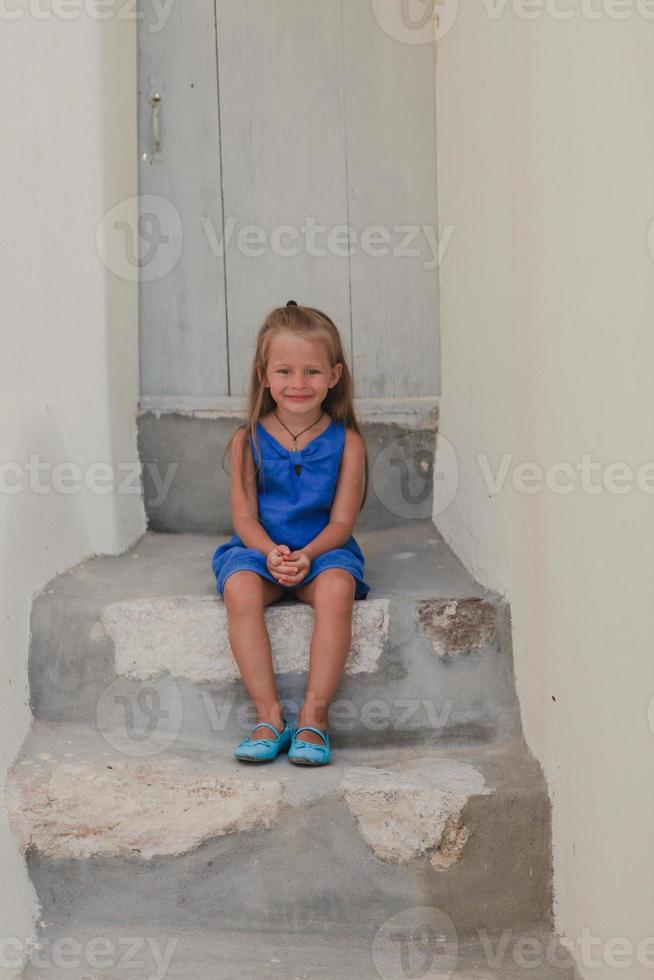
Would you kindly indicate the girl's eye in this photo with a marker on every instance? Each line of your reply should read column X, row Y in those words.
column 310, row 371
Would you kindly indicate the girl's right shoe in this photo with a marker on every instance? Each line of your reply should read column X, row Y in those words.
column 264, row 749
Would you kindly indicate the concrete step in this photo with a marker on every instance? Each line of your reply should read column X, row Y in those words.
column 186, row 489
column 188, row 838
column 431, row 653
column 90, row 951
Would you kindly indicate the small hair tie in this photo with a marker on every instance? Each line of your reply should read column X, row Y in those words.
column 291, row 302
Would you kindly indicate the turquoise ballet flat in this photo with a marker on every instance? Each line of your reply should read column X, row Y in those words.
column 264, row 749
column 307, row 753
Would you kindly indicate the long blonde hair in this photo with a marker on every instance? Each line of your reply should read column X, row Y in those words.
column 310, row 324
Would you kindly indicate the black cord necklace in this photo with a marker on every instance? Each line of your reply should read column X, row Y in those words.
column 295, row 437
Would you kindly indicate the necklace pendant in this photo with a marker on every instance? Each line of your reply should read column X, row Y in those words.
column 298, row 467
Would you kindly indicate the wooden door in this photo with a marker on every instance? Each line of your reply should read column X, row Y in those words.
column 296, row 160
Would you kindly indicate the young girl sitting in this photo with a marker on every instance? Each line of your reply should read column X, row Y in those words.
column 299, row 479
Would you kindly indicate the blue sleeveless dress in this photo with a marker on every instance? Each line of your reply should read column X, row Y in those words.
column 294, row 508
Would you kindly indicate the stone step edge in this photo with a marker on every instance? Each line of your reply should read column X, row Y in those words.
column 535, row 953
column 187, row 636
column 409, row 803
column 411, row 413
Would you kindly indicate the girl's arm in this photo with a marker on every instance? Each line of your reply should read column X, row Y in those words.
column 245, row 507
column 347, row 499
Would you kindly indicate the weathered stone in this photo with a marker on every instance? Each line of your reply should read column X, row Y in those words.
column 70, row 810
column 187, row 636
column 457, row 625
column 413, row 813
column 452, row 843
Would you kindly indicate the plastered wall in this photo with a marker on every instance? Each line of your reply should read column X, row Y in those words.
column 68, row 343
column 545, row 162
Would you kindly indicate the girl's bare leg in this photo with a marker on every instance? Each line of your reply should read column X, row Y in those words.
column 332, row 596
column 246, row 595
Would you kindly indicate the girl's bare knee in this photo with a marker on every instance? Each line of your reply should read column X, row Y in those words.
column 335, row 587
column 243, row 590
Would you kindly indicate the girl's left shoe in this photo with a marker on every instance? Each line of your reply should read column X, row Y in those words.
column 264, row 749
column 308, row 753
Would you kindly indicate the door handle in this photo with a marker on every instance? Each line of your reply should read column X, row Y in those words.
column 155, row 101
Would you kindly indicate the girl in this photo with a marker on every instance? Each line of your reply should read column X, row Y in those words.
column 299, row 478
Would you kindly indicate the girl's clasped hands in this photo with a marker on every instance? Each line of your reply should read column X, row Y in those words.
column 288, row 567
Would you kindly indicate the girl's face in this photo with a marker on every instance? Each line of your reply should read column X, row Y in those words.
column 298, row 373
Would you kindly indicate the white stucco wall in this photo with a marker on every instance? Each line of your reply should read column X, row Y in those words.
column 546, row 156
column 68, row 338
